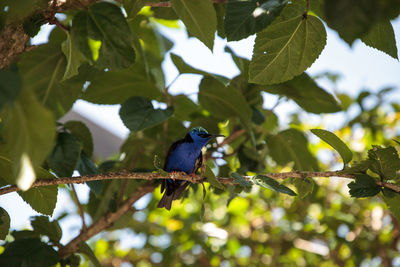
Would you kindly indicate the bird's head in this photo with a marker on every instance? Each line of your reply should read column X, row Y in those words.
column 200, row 135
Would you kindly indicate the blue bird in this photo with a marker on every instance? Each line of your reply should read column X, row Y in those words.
column 183, row 156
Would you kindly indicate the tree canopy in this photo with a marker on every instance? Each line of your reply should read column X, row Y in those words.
column 266, row 194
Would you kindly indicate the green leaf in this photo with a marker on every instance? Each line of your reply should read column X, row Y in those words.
column 184, row 107
column 381, row 36
column 306, row 93
column 42, row 70
column 138, row 113
column 114, row 87
column 132, row 7
column 104, row 22
column 29, row 133
column 357, row 17
column 64, row 158
column 336, row 143
column 199, row 18
column 43, row 226
column 272, row 184
column 385, row 161
column 74, row 58
column 392, row 200
column 4, row 223
column 291, row 146
column 223, row 101
column 42, row 199
column 241, row 180
column 183, row 67
column 88, row 252
column 80, row 130
column 304, row 186
column 210, row 176
column 10, row 86
column 28, row 252
column 287, row 47
column 244, row 18
column 363, row 186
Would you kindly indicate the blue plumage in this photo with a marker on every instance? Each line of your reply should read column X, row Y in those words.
column 183, row 156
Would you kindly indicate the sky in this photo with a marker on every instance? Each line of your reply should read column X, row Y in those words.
column 362, row 67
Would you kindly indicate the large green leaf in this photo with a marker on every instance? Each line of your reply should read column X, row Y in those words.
column 138, row 113
column 10, row 86
column 64, row 158
column 244, row 18
column 223, row 101
column 306, row 93
column 385, row 161
column 291, row 146
column 80, row 130
column 104, row 22
column 114, row 87
column 4, row 223
column 30, row 252
column 363, row 186
column 381, row 37
column 272, row 184
column 183, row 67
column 29, row 134
column 42, row 70
column 287, row 47
column 358, row 17
column 336, row 143
column 43, row 199
column 199, row 18
column 74, row 57
column 43, row 226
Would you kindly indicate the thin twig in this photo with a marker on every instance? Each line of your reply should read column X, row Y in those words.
column 182, row 176
column 232, row 137
column 80, row 208
column 307, row 8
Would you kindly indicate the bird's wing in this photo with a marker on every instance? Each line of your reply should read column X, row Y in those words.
column 169, row 153
column 199, row 162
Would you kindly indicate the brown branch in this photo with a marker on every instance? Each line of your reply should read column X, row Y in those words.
column 231, row 138
column 168, row 3
column 80, row 208
column 106, row 221
column 182, row 176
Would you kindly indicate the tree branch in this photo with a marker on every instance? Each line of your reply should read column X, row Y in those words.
column 182, row 176
column 105, row 221
column 80, row 208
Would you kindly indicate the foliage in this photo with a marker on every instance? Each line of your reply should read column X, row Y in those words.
column 111, row 53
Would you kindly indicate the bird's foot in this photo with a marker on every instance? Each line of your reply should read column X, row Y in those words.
column 173, row 175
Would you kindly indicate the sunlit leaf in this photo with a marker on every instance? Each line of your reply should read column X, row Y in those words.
column 336, row 143
column 287, row 47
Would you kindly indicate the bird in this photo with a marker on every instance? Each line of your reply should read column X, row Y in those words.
column 183, row 155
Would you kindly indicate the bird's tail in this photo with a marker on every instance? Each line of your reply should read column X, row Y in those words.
column 173, row 191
